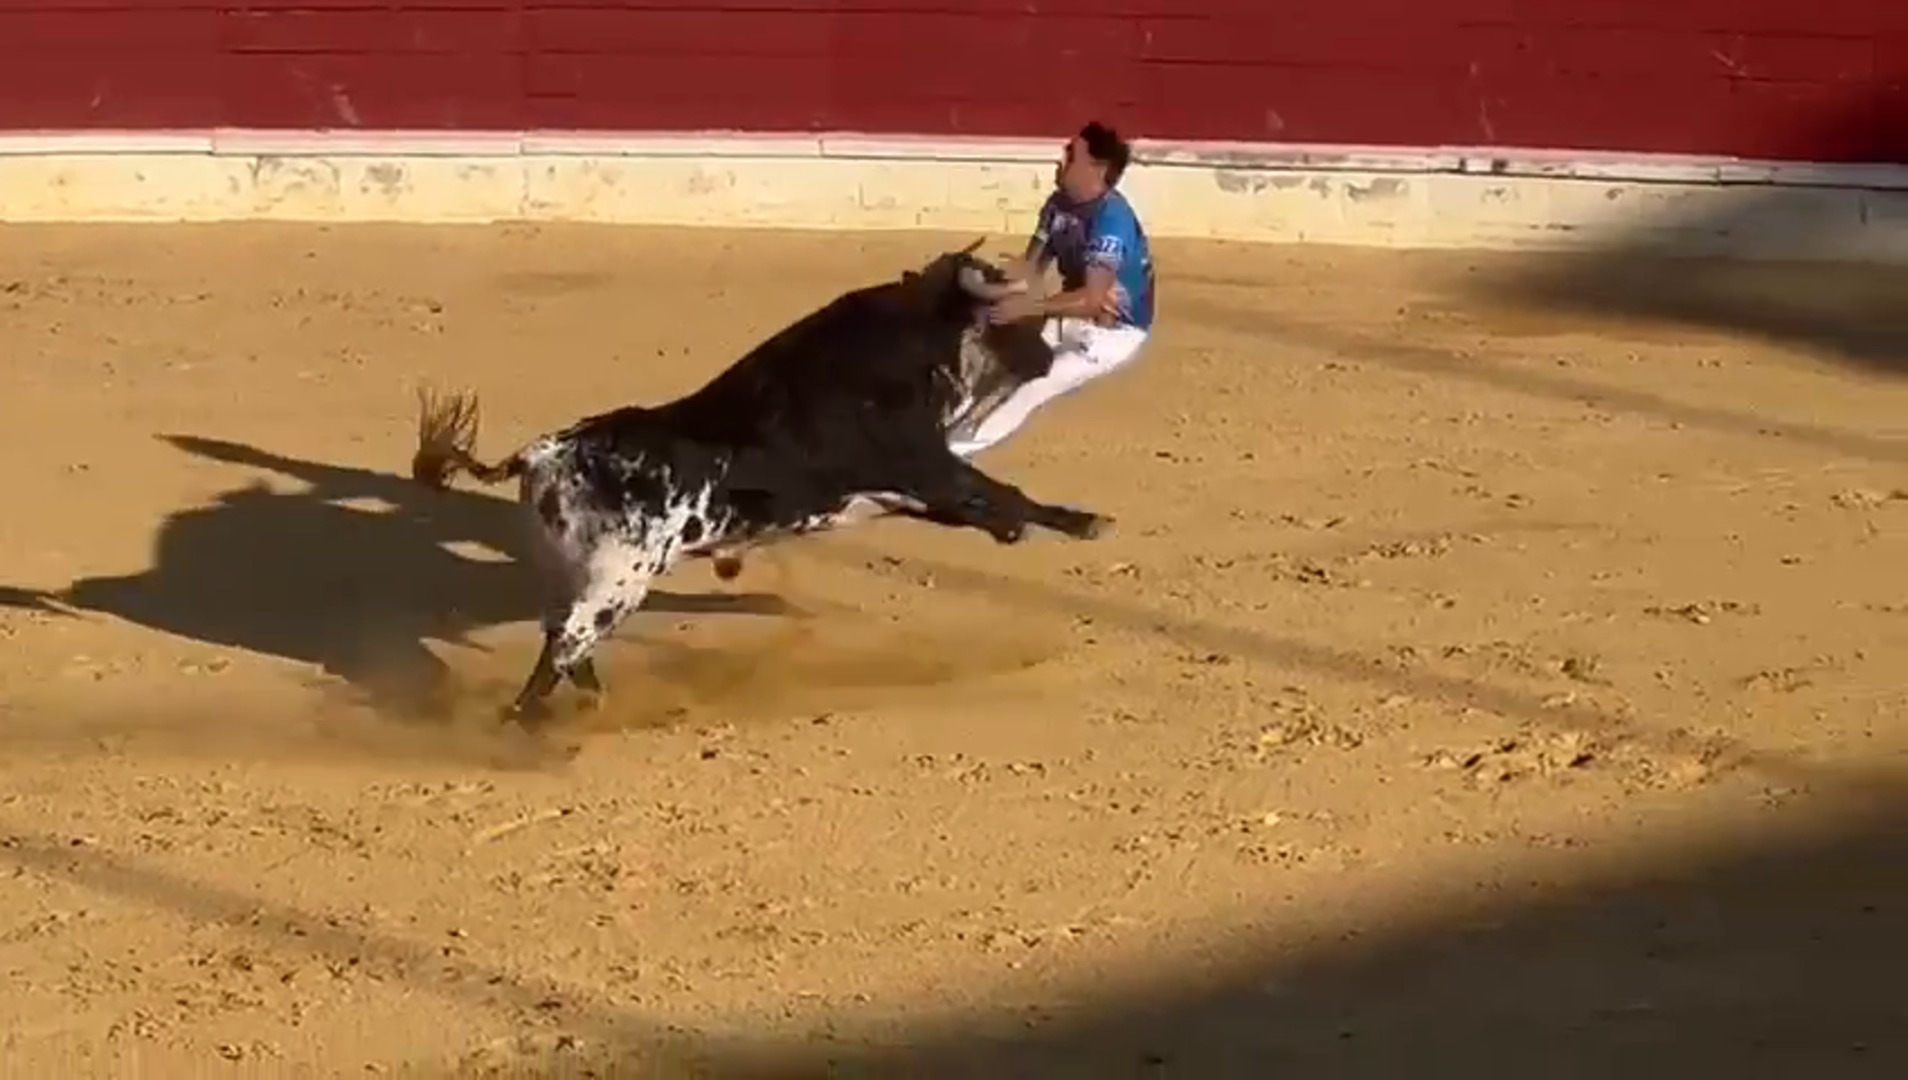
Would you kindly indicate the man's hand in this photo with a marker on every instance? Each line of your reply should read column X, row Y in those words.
column 1013, row 308
column 1015, row 267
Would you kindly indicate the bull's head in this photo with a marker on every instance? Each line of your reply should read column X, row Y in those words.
column 981, row 279
column 960, row 286
column 975, row 278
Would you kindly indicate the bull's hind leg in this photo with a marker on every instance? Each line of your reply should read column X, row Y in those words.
column 583, row 677
column 616, row 582
column 532, row 704
column 561, row 584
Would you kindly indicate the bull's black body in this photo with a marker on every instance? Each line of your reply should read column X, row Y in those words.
column 848, row 408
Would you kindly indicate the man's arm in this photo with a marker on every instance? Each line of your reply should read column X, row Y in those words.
column 1088, row 301
column 1091, row 301
column 1095, row 297
column 1031, row 265
column 1034, row 260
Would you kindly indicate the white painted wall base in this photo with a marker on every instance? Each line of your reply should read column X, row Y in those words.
column 1348, row 195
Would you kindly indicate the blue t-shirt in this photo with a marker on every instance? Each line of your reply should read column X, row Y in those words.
column 1105, row 231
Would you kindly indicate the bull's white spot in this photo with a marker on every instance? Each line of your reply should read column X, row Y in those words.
column 540, row 450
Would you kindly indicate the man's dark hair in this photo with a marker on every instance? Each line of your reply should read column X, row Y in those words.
column 1107, row 148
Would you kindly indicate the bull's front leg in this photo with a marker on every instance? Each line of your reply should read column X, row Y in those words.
column 964, row 495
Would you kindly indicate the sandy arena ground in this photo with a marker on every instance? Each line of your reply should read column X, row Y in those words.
column 1465, row 691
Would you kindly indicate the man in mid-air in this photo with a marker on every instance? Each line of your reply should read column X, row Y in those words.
column 1101, row 320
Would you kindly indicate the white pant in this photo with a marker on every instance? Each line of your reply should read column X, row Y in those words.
column 1083, row 350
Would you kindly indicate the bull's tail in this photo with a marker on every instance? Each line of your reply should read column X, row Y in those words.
column 447, row 441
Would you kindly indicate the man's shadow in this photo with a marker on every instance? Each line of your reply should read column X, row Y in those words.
column 318, row 576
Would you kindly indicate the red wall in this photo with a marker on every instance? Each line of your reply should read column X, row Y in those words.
column 1810, row 79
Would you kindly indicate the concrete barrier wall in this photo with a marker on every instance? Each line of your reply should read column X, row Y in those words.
column 1231, row 191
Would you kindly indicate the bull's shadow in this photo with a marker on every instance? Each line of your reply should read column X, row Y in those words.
column 318, row 576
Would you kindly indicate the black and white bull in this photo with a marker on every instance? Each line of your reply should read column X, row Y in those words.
column 843, row 415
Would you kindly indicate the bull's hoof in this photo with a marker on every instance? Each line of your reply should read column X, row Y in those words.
column 1081, row 524
column 527, row 714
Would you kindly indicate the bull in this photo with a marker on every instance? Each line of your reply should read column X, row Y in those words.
column 843, row 415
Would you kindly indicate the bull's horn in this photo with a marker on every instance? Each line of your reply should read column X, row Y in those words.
column 978, row 286
column 973, row 247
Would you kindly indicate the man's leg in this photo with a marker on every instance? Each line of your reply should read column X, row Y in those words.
column 1082, row 352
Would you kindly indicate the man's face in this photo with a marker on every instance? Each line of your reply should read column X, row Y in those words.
column 1077, row 174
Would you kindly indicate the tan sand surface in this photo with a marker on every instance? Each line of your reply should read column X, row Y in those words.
column 1464, row 684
